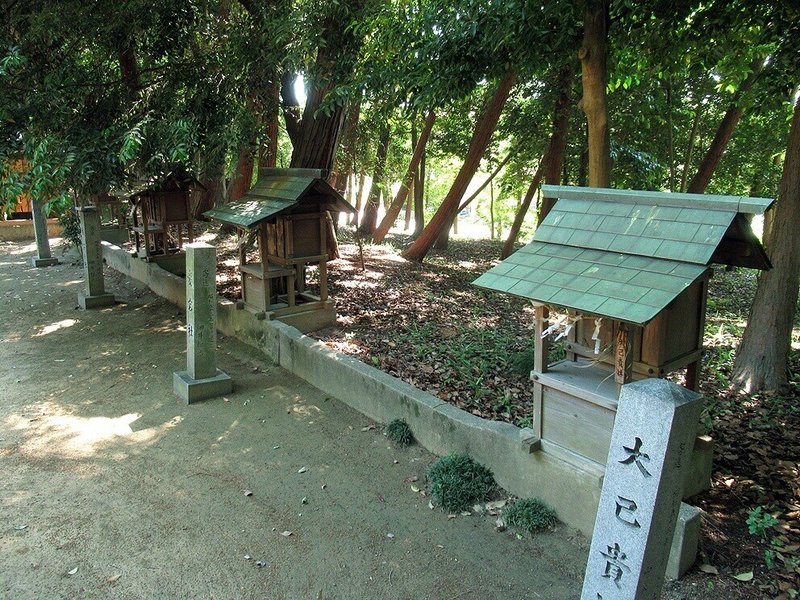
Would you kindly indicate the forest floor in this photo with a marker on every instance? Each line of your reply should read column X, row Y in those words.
column 427, row 325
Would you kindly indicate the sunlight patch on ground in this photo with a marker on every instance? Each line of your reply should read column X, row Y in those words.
column 304, row 410
column 55, row 327
column 69, row 283
column 393, row 258
column 51, row 432
column 165, row 328
column 353, row 284
column 23, row 249
column 227, row 433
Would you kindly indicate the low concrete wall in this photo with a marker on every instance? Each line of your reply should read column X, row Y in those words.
column 437, row 425
column 22, row 229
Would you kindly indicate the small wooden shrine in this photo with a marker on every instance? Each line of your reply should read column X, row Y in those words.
column 160, row 218
column 288, row 214
column 628, row 271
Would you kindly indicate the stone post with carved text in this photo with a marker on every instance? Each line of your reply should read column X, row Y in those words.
column 651, row 445
column 201, row 379
column 95, row 295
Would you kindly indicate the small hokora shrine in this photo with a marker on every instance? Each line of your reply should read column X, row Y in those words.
column 628, row 272
column 288, row 213
column 160, row 218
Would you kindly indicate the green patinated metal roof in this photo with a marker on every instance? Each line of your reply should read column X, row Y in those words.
column 277, row 192
column 624, row 254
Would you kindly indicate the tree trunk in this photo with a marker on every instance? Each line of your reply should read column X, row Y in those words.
column 516, row 226
column 480, row 141
column 670, row 135
column 343, row 166
column 397, row 204
column 367, row 226
column 359, row 195
column 409, row 206
column 491, row 211
column 129, row 68
column 243, row 175
column 595, row 80
column 268, row 153
column 291, row 107
column 319, row 133
column 557, row 148
column 419, row 199
column 488, row 181
column 550, row 164
column 761, row 360
column 690, row 147
column 724, row 133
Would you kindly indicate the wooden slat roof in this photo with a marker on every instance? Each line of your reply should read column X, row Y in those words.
column 625, row 254
column 277, row 192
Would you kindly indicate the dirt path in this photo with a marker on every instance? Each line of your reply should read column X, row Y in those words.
column 104, row 471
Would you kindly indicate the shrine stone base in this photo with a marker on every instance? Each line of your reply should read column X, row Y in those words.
column 310, row 320
column 194, row 390
column 683, row 552
column 44, row 262
column 114, row 235
column 99, row 301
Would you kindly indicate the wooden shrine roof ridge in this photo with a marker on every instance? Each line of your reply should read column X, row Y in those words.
column 739, row 204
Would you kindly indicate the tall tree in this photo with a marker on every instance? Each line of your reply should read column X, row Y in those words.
column 405, row 184
column 447, row 211
column 724, row 132
column 552, row 161
column 594, row 70
column 761, row 360
column 370, row 218
column 332, row 69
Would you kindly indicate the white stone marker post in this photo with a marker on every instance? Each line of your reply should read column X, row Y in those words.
column 651, row 446
column 201, row 379
column 95, row 295
column 44, row 258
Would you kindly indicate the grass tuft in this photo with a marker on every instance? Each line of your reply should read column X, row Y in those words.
column 531, row 514
column 457, row 482
column 400, row 433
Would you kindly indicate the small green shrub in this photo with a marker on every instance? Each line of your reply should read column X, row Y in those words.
column 71, row 226
column 400, row 433
column 457, row 482
column 760, row 521
column 531, row 514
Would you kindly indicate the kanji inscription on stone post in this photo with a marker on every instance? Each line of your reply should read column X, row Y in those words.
column 201, row 379
column 95, row 295
column 653, row 436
